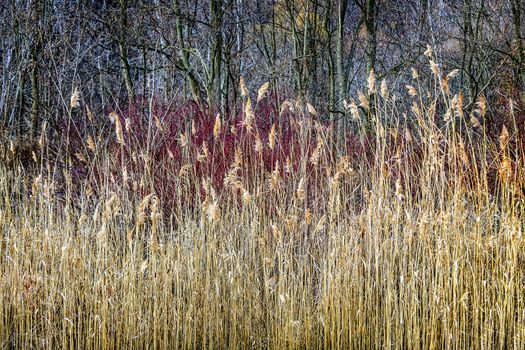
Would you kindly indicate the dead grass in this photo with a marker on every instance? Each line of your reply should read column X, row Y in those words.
column 426, row 256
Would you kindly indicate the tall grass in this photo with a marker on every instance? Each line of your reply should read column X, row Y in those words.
column 416, row 242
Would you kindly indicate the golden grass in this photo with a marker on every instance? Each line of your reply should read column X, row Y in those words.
column 366, row 265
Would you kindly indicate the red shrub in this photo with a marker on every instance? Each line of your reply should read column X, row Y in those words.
column 156, row 135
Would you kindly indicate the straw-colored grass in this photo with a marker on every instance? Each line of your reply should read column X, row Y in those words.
column 430, row 258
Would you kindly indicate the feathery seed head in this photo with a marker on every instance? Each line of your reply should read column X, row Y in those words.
column 371, row 81
column 217, row 126
column 75, row 99
column 262, row 91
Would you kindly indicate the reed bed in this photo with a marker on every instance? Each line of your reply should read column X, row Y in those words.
column 415, row 244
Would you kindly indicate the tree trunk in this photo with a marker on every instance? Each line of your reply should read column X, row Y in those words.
column 123, row 52
column 339, row 66
column 371, row 48
column 371, row 41
column 35, row 52
column 516, row 15
column 184, row 57
column 214, row 82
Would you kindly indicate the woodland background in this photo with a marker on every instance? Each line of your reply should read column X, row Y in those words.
column 318, row 51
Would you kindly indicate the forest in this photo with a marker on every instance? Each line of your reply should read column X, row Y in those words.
column 273, row 174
